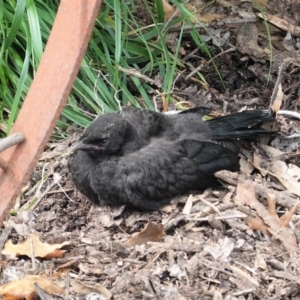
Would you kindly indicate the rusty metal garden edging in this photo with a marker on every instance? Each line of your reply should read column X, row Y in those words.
column 48, row 94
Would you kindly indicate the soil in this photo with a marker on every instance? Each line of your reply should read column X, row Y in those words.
column 210, row 245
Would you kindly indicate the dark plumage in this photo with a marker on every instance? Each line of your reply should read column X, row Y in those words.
column 145, row 158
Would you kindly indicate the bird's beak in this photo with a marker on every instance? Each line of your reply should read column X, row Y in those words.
column 82, row 146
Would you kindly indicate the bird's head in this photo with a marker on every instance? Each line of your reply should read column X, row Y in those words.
column 104, row 136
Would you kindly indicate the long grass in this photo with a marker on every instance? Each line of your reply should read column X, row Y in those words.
column 119, row 43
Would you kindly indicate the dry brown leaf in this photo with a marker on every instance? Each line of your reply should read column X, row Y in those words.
column 40, row 249
column 63, row 268
column 288, row 175
column 168, row 9
column 90, row 270
column 225, row 3
column 260, row 4
column 208, row 18
column 258, row 163
column 286, row 218
column 261, row 163
column 245, row 166
column 278, row 100
column 24, row 288
column 82, row 288
column 246, row 194
column 151, row 233
column 248, row 281
column 247, row 37
column 182, row 51
column 278, row 22
column 272, row 152
column 220, row 250
column 258, row 224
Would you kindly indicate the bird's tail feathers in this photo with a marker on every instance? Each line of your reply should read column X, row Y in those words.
column 241, row 125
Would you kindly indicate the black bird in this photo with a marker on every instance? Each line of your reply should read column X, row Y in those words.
column 144, row 158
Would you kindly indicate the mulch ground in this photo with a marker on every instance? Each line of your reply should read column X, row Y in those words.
column 237, row 241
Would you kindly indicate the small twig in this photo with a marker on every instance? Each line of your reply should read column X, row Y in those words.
column 252, row 19
column 176, row 247
column 95, row 89
column 67, row 285
column 162, row 95
column 138, row 74
column 246, row 267
column 287, row 252
column 221, row 53
column 60, row 191
column 48, row 189
column 57, row 182
column 247, row 211
column 175, row 221
column 278, row 80
column 293, row 136
column 11, row 140
column 201, row 66
column 244, row 292
column 217, row 218
column 227, row 176
column 221, row 270
column 111, row 85
column 210, row 205
column 289, row 114
column 32, row 254
column 158, row 255
column 42, row 180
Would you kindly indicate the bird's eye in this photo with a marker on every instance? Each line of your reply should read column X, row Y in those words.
column 100, row 142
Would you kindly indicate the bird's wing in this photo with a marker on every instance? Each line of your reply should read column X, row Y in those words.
column 148, row 178
column 147, row 123
column 201, row 110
